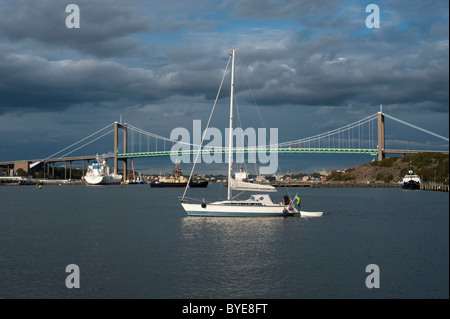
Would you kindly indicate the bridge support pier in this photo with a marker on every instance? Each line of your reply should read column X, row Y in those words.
column 118, row 125
column 116, row 141
column 125, row 161
column 25, row 165
column 381, row 154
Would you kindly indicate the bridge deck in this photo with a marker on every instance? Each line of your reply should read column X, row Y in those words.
column 373, row 152
column 251, row 151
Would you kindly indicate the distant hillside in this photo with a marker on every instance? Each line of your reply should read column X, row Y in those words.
column 429, row 166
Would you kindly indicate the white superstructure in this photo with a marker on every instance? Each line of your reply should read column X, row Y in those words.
column 99, row 173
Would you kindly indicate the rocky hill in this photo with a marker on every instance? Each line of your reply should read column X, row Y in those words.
column 429, row 166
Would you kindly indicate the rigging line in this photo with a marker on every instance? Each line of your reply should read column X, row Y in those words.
column 260, row 117
column 78, row 142
column 276, row 146
column 279, row 144
column 416, row 127
column 257, row 107
column 206, row 129
column 241, row 67
column 251, row 92
column 88, row 143
column 239, row 119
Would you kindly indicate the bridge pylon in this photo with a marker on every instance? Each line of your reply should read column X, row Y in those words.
column 381, row 148
column 118, row 125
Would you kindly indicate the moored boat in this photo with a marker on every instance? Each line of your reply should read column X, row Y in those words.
column 177, row 180
column 411, row 180
column 99, row 173
column 257, row 205
column 310, row 214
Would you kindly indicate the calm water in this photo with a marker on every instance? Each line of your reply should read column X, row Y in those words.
column 137, row 242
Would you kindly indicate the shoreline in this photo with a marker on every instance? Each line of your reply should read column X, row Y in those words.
column 429, row 186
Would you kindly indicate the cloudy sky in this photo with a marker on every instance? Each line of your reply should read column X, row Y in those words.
column 313, row 66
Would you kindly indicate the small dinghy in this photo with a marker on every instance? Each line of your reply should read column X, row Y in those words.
column 310, row 214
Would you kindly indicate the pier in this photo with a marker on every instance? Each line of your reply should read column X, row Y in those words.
column 356, row 185
column 338, row 185
column 428, row 186
column 432, row 186
column 21, row 180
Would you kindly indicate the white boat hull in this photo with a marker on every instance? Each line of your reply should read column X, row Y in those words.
column 238, row 210
column 99, row 174
column 103, row 179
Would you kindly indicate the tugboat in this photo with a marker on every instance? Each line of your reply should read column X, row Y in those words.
column 99, row 174
column 411, row 180
column 177, row 180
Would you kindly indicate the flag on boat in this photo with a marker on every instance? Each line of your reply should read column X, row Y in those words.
column 296, row 199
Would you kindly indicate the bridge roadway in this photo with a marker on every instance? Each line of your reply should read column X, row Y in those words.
column 27, row 164
column 55, row 160
column 403, row 152
column 290, row 150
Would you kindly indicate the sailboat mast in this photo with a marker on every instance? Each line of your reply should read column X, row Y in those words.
column 230, row 139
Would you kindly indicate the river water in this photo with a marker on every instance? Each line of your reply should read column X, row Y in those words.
column 137, row 242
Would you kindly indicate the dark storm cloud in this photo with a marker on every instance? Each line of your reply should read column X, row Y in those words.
column 310, row 12
column 105, row 26
column 313, row 65
column 33, row 83
column 47, row 67
column 403, row 62
column 325, row 57
column 36, row 84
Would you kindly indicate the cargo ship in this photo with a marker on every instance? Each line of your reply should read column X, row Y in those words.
column 99, row 174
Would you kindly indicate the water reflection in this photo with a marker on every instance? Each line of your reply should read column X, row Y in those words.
column 239, row 253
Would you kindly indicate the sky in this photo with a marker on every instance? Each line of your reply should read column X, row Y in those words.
column 312, row 66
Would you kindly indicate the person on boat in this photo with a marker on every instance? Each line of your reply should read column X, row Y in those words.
column 286, row 199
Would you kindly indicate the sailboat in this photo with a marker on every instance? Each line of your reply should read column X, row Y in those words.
column 257, row 205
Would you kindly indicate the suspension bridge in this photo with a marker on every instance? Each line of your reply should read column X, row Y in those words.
column 366, row 136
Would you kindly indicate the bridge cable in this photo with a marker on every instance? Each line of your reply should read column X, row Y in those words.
column 78, row 142
column 332, row 132
column 138, row 130
column 88, row 143
column 416, row 127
